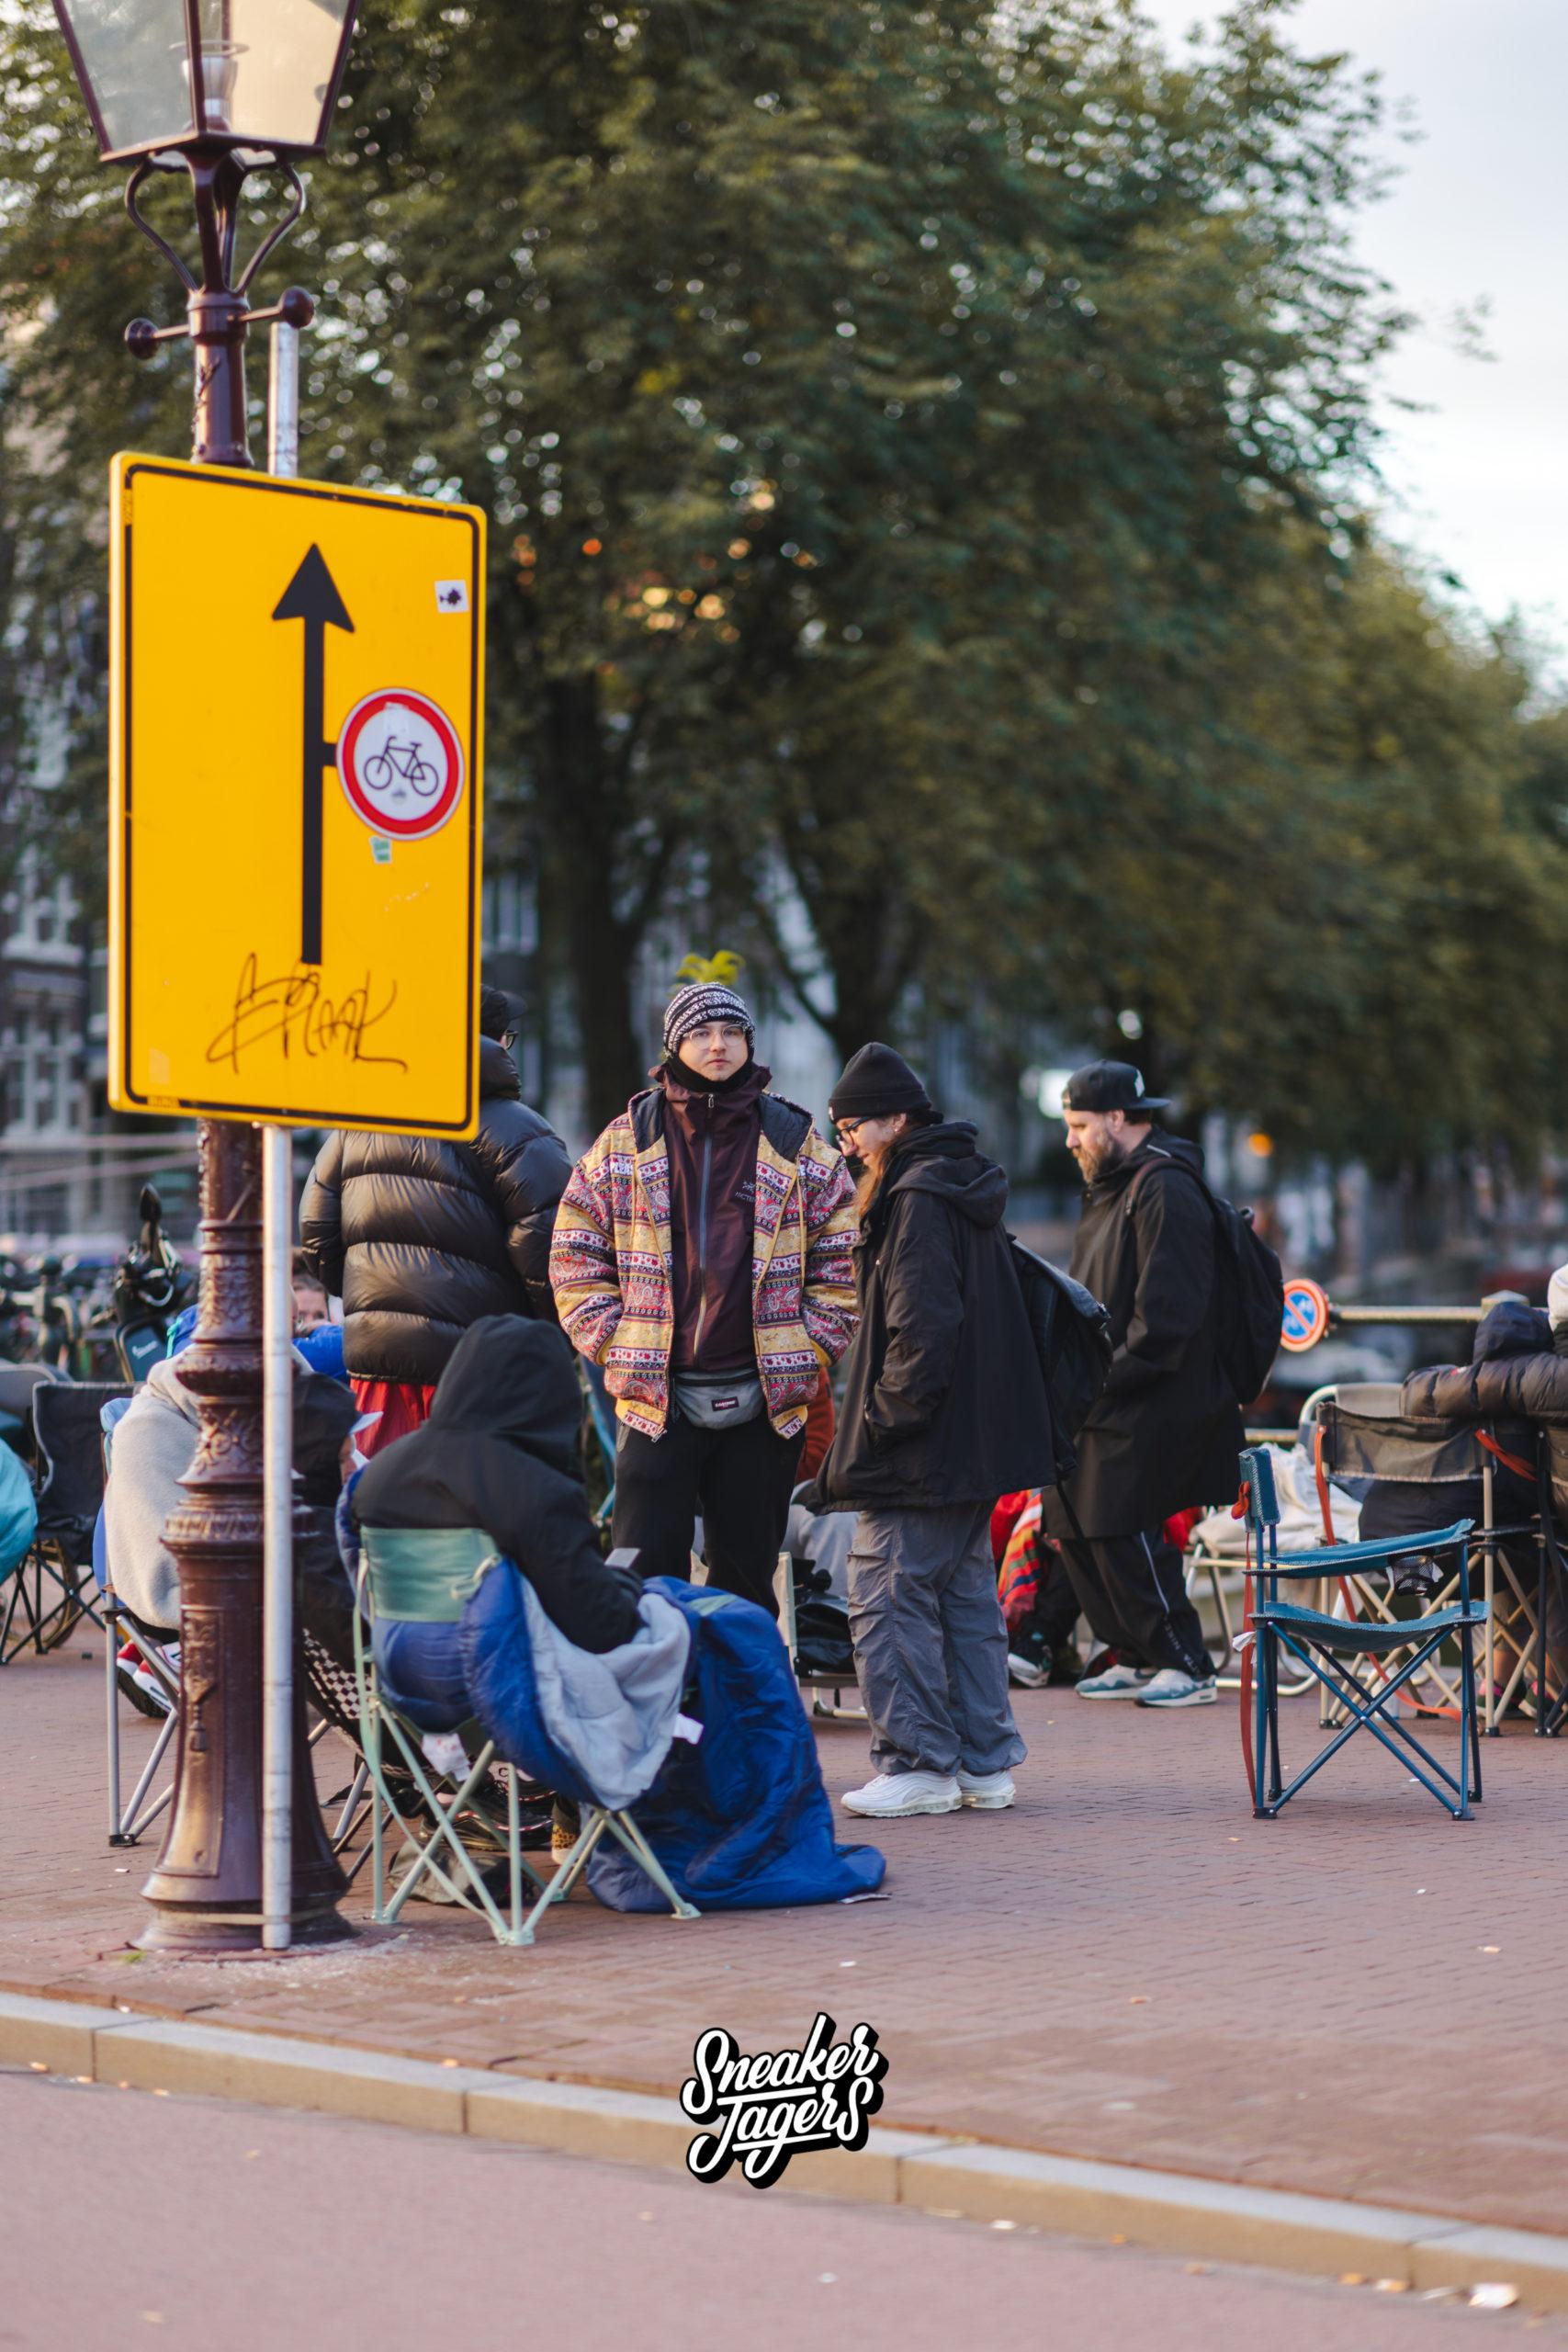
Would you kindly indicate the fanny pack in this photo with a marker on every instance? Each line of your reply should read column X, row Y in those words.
column 714, row 1403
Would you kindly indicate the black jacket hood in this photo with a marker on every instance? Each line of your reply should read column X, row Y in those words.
column 513, row 1380
column 1116, row 1180
column 944, row 1161
column 498, row 1071
column 1512, row 1328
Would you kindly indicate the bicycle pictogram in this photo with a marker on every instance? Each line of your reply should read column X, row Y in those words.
column 394, row 760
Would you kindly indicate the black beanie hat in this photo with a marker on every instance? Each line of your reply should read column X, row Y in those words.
column 495, row 1013
column 877, row 1083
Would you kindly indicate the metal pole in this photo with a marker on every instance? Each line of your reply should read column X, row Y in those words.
column 277, row 1599
column 277, row 1371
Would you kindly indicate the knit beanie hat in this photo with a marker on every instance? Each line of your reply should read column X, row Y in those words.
column 495, row 1013
column 695, row 1005
column 877, row 1083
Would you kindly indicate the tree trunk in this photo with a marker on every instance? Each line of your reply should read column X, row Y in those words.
column 585, row 814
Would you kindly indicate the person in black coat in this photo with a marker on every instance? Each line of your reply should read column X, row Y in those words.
column 945, row 1410
column 420, row 1238
column 500, row 1453
column 1167, row 1433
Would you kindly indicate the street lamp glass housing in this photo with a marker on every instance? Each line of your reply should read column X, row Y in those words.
column 176, row 73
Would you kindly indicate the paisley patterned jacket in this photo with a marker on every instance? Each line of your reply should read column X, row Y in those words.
column 610, row 1263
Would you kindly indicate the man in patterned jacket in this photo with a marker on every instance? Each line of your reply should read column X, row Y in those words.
column 702, row 1257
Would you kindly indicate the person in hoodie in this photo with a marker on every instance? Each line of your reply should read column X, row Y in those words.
column 702, row 1258
column 945, row 1408
column 420, row 1238
column 1515, row 1389
column 499, row 1451
column 154, row 1445
column 1166, row 1432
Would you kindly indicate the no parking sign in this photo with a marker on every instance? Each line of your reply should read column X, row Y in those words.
column 1306, row 1314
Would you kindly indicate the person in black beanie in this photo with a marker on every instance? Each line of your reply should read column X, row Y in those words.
column 945, row 1410
column 421, row 1237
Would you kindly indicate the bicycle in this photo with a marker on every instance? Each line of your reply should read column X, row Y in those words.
column 395, row 760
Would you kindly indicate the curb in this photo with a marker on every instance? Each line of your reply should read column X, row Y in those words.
column 1167, row 2212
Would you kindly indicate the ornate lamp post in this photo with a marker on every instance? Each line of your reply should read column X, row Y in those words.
column 221, row 89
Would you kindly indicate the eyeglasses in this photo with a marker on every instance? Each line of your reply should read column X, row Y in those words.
column 847, row 1129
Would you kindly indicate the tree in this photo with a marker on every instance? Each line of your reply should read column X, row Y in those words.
column 924, row 450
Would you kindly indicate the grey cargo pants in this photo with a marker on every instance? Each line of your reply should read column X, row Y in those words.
column 930, row 1648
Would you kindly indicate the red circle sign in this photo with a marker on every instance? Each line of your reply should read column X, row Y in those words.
column 401, row 764
column 1306, row 1314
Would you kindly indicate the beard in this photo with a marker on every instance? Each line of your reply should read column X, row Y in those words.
column 1098, row 1159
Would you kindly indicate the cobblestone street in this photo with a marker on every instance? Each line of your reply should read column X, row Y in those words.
column 1363, row 1999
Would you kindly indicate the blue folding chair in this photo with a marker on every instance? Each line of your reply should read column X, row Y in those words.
column 1326, row 1644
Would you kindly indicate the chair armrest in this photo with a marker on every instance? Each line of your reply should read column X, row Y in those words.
column 1333, row 1559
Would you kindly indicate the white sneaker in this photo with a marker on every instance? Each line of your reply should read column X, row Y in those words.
column 1116, row 1683
column 986, row 1792
column 1172, row 1687
column 892, row 1794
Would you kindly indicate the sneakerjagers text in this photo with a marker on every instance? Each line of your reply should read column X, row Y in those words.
column 770, row 2106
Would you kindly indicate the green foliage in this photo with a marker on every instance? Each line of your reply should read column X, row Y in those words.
column 924, row 450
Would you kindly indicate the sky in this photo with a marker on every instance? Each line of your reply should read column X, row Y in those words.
column 1477, row 480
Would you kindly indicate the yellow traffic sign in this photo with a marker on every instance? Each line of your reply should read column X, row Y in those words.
column 297, row 686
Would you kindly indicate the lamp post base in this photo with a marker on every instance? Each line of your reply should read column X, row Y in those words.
column 229, row 1935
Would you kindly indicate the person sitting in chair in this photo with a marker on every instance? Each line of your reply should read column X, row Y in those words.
column 499, row 1454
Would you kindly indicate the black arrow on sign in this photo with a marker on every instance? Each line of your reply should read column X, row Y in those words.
column 311, row 596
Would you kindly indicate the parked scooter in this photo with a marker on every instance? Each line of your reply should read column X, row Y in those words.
column 149, row 1286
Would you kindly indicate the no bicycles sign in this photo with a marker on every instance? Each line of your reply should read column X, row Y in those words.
column 285, row 947
column 401, row 764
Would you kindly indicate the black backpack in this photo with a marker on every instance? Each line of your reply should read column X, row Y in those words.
column 1071, row 1332
column 1252, row 1292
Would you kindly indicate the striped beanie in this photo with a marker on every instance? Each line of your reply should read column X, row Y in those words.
column 695, row 1005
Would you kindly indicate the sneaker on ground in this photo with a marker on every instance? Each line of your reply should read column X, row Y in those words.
column 139, row 1684
column 1025, row 1673
column 986, row 1792
column 891, row 1794
column 1116, row 1683
column 1172, row 1687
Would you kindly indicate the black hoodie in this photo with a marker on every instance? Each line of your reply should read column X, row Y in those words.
column 500, row 1453
column 944, row 1402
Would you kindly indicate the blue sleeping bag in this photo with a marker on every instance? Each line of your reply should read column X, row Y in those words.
column 741, row 1820
column 18, row 1513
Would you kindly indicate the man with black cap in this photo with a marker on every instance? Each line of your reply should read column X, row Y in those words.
column 421, row 1237
column 702, row 1257
column 1166, row 1432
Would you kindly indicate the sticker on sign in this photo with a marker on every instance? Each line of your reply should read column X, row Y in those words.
column 401, row 764
column 452, row 595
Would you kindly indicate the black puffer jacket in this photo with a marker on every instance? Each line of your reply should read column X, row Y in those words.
column 1515, row 1383
column 421, row 1237
column 1167, row 1433
column 945, row 1400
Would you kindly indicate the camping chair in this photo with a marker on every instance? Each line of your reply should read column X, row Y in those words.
column 1550, row 1711
column 1331, row 1648
column 425, row 1576
column 54, row 1587
column 1358, row 1434
column 831, row 1710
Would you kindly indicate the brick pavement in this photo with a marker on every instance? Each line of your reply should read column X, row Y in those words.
column 1125, row 1966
